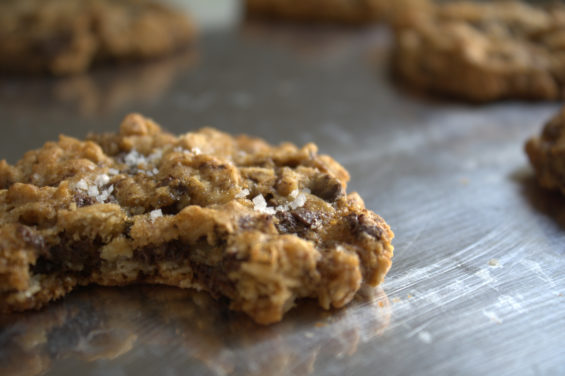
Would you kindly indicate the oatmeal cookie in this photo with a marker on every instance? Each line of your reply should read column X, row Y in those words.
column 62, row 37
column 258, row 224
column 331, row 11
column 483, row 52
column 547, row 153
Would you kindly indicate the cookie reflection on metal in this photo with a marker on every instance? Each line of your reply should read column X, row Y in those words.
column 108, row 90
column 99, row 324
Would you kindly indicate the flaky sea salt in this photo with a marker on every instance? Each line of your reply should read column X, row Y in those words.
column 243, row 193
column 298, row 202
column 154, row 214
column 101, row 180
column 134, row 159
column 105, row 194
column 260, row 205
column 82, row 185
column 196, row 151
column 155, row 156
column 93, row 191
column 113, row 171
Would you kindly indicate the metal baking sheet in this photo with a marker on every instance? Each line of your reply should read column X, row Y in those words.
column 477, row 283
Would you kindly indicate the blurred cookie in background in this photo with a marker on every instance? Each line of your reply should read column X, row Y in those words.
column 481, row 52
column 62, row 37
column 324, row 11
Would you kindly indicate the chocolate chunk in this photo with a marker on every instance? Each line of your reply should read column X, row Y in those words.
column 309, row 218
column 360, row 224
column 327, row 187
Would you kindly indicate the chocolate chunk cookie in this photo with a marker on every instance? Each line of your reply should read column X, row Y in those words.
column 331, row 11
column 261, row 225
column 483, row 52
column 68, row 36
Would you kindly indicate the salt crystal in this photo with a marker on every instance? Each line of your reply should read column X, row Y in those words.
column 155, row 156
column 281, row 208
column 260, row 205
column 93, row 191
column 133, row 158
column 196, row 151
column 113, row 171
column 154, row 214
column 101, row 180
column 294, row 193
column 82, row 185
column 243, row 193
column 298, row 202
column 259, row 202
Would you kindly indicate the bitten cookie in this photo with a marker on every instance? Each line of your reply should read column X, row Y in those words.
column 62, row 37
column 258, row 224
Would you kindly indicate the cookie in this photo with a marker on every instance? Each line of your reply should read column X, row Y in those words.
column 258, row 224
column 547, row 153
column 330, row 11
column 62, row 37
column 482, row 52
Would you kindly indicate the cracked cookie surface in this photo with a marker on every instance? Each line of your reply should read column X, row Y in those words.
column 61, row 37
column 258, row 224
column 482, row 52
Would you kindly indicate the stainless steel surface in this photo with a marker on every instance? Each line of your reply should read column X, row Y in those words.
column 477, row 283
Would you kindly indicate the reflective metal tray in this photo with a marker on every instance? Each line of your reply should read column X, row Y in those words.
column 477, row 283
